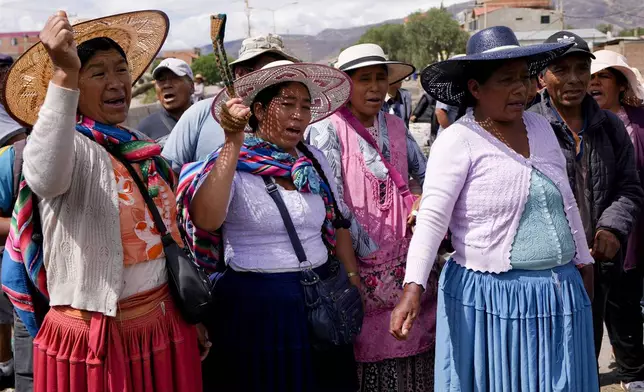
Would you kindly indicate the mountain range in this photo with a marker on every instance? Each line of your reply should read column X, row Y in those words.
column 325, row 46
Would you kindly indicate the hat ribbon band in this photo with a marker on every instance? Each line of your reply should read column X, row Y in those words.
column 361, row 60
column 504, row 47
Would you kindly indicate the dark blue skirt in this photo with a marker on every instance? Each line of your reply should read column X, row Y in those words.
column 260, row 339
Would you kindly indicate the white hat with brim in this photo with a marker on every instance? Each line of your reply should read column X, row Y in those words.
column 257, row 46
column 367, row 55
column 609, row 59
column 329, row 88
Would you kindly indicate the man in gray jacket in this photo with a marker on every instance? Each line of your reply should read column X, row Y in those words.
column 602, row 172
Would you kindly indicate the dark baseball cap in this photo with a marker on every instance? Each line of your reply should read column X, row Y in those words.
column 5, row 59
column 580, row 45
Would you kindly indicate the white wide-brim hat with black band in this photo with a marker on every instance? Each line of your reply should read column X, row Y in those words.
column 367, row 55
column 609, row 59
column 329, row 88
column 140, row 34
column 446, row 81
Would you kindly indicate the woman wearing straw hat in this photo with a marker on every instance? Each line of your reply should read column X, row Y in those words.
column 615, row 87
column 373, row 155
column 112, row 325
column 513, row 313
column 200, row 88
column 264, row 343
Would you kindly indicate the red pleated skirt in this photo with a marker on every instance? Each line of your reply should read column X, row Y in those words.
column 147, row 347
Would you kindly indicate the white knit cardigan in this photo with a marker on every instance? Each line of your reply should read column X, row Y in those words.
column 74, row 180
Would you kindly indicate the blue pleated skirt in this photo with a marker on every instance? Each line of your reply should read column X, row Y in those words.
column 527, row 331
column 260, row 339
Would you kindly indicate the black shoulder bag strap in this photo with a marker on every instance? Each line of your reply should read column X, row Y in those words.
column 273, row 192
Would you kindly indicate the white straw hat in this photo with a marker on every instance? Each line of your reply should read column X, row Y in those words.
column 330, row 89
column 366, row 55
column 609, row 59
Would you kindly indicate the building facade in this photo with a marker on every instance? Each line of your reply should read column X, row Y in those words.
column 594, row 37
column 631, row 48
column 15, row 44
column 518, row 19
column 188, row 55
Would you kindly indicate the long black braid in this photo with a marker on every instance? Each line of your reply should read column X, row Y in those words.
column 339, row 221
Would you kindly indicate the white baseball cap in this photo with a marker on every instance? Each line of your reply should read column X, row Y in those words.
column 178, row 67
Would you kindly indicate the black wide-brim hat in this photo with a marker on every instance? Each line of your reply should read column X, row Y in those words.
column 447, row 80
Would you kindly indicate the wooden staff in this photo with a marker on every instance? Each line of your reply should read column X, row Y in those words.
column 217, row 31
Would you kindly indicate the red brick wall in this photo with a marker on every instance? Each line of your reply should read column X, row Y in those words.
column 634, row 53
column 186, row 55
column 23, row 42
column 632, row 50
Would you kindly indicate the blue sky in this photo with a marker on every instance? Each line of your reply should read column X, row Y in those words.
column 190, row 25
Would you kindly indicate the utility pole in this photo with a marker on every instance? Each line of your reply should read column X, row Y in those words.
column 274, row 26
column 561, row 13
column 247, row 17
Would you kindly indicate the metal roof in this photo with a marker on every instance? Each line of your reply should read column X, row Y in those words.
column 617, row 40
column 542, row 35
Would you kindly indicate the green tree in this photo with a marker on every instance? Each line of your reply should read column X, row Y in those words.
column 605, row 28
column 390, row 37
column 207, row 67
column 433, row 36
column 155, row 64
column 632, row 32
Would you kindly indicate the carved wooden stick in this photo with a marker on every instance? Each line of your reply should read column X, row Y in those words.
column 217, row 31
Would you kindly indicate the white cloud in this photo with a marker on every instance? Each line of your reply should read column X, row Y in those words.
column 189, row 19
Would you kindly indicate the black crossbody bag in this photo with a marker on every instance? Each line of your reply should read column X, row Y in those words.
column 334, row 305
column 189, row 284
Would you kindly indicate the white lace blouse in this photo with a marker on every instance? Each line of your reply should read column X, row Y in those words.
column 254, row 235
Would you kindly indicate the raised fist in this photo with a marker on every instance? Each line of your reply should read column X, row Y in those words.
column 58, row 38
column 234, row 117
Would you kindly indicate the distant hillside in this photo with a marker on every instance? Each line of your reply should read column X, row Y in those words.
column 325, row 46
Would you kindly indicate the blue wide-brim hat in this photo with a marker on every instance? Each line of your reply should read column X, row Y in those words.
column 447, row 80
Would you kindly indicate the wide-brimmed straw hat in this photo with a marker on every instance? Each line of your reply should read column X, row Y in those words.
column 366, row 55
column 140, row 34
column 609, row 59
column 330, row 88
column 447, row 80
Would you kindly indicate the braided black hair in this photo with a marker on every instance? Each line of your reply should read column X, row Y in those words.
column 339, row 222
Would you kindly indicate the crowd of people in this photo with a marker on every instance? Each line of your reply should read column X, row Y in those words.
column 340, row 257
